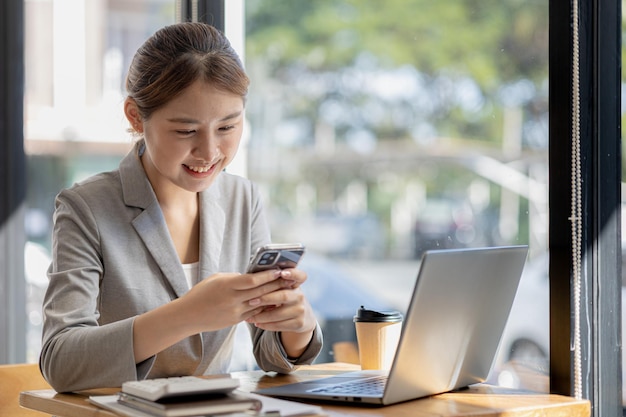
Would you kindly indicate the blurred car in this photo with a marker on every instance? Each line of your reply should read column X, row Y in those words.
column 525, row 343
column 443, row 223
column 336, row 235
column 335, row 297
column 526, row 338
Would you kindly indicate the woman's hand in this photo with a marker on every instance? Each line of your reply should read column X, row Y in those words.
column 219, row 301
column 286, row 310
column 225, row 299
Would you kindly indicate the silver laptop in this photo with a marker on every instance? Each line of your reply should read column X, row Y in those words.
column 450, row 335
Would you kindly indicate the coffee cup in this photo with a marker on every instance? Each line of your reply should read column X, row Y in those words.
column 378, row 333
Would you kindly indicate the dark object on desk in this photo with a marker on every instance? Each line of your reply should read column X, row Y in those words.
column 193, row 405
column 452, row 329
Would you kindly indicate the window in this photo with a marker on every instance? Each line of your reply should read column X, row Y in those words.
column 76, row 57
column 378, row 134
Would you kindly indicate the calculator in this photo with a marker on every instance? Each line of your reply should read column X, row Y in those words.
column 158, row 388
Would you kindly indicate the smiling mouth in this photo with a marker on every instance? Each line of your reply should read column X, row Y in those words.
column 199, row 169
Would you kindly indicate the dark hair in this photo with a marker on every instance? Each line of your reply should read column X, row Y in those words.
column 178, row 55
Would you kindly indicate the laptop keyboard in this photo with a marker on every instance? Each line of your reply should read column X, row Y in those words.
column 370, row 386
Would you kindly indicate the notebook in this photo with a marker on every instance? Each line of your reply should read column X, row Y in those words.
column 450, row 334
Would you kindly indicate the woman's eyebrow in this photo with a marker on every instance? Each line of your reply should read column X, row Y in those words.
column 182, row 120
column 232, row 115
column 189, row 120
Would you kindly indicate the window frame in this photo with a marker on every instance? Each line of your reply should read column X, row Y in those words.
column 600, row 100
column 13, row 184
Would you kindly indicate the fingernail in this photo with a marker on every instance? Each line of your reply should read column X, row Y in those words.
column 254, row 301
column 277, row 273
column 285, row 273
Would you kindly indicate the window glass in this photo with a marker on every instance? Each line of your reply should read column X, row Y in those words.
column 76, row 56
column 376, row 133
column 379, row 132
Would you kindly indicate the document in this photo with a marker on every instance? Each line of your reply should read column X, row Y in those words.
column 286, row 408
column 271, row 407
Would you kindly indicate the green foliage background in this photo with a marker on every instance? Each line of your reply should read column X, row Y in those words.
column 319, row 54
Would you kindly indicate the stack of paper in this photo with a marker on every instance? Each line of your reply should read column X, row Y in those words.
column 246, row 404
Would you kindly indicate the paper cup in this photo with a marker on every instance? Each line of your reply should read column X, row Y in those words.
column 378, row 333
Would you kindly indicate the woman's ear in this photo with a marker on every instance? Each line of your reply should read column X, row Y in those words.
column 132, row 115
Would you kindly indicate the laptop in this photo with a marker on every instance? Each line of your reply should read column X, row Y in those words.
column 450, row 334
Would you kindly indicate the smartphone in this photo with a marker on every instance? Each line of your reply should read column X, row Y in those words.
column 276, row 256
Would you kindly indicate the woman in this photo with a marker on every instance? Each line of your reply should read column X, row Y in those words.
column 146, row 277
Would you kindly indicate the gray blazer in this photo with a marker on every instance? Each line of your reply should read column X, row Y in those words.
column 113, row 259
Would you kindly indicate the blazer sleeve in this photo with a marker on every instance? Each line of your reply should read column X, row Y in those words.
column 271, row 356
column 77, row 352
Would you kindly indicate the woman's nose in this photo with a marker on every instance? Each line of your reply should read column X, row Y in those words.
column 205, row 148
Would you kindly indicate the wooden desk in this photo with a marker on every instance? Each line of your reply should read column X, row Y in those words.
column 480, row 400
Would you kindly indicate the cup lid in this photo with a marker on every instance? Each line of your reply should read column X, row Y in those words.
column 384, row 316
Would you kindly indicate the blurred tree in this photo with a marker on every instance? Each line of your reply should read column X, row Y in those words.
column 405, row 68
column 346, row 90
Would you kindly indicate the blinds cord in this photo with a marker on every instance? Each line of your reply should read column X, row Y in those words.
column 576, row 214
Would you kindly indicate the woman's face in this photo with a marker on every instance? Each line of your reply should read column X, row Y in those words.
column 191, row 139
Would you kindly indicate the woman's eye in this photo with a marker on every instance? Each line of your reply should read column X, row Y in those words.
column 226, row 128
column 185, row 132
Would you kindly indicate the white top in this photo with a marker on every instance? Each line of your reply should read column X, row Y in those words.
column 191, row 273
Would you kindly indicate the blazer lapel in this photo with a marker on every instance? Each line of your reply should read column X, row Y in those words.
column 150, row 223
column 151, row 227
